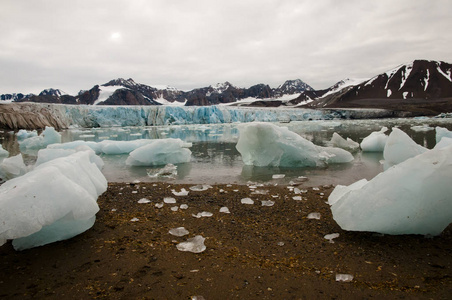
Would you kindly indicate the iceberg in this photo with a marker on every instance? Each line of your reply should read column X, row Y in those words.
column 412, row 197
column 47, row 137
column 375, row 142
column 399, row 147
column 160, row 152
column 444, row 142
column 346, row 144
column 3, row 152
column 75, row 144
column 265, row 144
column 122, row 147
column 53, row 202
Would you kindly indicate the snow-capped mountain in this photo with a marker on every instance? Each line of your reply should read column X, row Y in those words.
column 419, row 82
column 52, row 92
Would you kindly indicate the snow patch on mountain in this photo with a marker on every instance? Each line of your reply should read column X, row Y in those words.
column 105, row 92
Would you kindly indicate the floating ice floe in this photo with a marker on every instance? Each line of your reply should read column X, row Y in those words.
column 331, row 236
column 346, row 144
column 421, row 128
column 169, row 171
column 160, row 152
column 183, row 192
column 412, row 197
column 375, row 142
column 23, row 134
column 3, row 152
column 47, row 137
column 122, row 147
column 194, row 245
column 265, row 144
column 442, row 132
column 53, row 202
column 314, row 215
column 445, row 142
column 399, row 147
column 179, row 231
column 12, row 167
column 278, row 176
column 247, row 201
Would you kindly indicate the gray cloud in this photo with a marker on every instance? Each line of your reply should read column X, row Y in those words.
column 74, row 45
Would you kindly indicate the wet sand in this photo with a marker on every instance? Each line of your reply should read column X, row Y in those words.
column 255, row 252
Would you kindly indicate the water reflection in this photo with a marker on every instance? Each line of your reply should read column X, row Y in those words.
column 216, row 160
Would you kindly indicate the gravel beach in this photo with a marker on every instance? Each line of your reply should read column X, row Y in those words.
column 274, row 249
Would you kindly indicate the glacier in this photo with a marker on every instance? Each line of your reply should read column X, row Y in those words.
column 88, row 116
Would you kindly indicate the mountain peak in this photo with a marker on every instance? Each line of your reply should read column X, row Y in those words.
column 121, row 81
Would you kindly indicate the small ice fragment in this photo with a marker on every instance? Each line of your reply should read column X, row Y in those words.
column 200, row 188
column 225, row 210
column 221, row 191
column 169, row 200
column 197, row 297
column 194, row 245
column 314, row 215
column 267, row 203
column 280, row 244
column 297, row 198
column 134, row 192
column 136, row 181
column 344, row 277
column 235, row 190
column 247, row 201
column 175, row 208
column 203, row 214
column 260, row 192
column 315, row 189
column 159, row 205
column 183, row 192
column 297, row 191
column 134, row 220
column 144, row 200
column 275, row 196
column 179, row 231
column 331, row 236
column 183, row 206
column 278, row 176
column 113, row 209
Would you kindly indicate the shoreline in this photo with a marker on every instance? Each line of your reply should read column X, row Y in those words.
column 265, row 252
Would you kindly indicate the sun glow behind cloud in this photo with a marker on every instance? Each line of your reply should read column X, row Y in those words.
column 115, row 36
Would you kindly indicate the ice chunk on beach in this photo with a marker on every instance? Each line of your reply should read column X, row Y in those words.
column 194, row 245
column 399, row 147
column 55, row 201
column 183, row 192
column 331, row 236
column 265, row 144
column 314, row 215
column 225, row 210
column 169, row 200
column 412, row 197
column 179, row 231
column 47, row 137
column 442, row 132
column 375, row 142
column 247, row 201
column 12, row 167
column 202, row 214
column 48, row 154
column 346, row 144
column 344, row 277
column 200, row 188
column 160, row 152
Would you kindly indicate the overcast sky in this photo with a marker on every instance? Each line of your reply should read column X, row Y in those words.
column 74, row 45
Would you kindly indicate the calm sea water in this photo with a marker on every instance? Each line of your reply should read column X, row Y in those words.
column 216, row 160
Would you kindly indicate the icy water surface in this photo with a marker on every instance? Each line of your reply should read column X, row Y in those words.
column 216, row 160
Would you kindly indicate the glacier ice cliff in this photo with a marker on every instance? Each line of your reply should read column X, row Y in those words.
column 39, row 115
